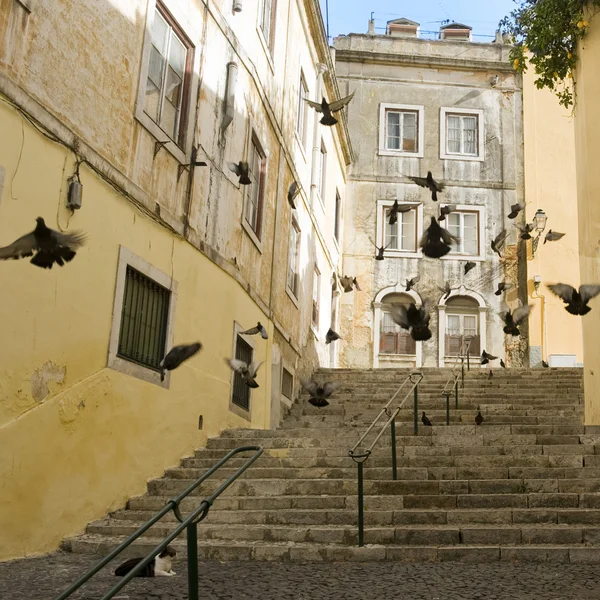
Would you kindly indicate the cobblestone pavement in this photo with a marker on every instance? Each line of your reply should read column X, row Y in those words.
column 44, row 578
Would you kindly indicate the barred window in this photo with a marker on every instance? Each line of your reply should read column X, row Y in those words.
column 287, row 384
column 144, row 320
column 241, row 392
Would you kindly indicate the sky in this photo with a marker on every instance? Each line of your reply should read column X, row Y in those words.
column 352, row 16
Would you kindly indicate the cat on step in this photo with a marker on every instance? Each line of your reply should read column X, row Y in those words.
column 159, row 566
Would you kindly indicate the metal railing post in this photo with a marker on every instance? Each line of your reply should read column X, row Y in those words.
column 416, row 410
column 468, row 362
column 447, row 394
column 361, row 525
column 192, row 559
column 393, row 432
column 456, row 394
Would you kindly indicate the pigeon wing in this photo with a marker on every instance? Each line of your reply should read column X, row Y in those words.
column 20, row 248
column 251, row 331
column 339, row 104
column 236, row 365
column 234, row 167
column 310, row 386
column 521, row 313
column 563, row 291
column 72, row 240
column 356, row 284
column 330, row 387
column 253, row 368
column 314, row 105
column 447, row 237
column 422, row 181
column 399, row 314
column 500, row 238
column 587, row 292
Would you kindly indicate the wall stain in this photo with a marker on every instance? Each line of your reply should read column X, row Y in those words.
column 42, row 376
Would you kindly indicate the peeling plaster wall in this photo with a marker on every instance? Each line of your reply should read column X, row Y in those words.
column 433, row 75
column 71, row 427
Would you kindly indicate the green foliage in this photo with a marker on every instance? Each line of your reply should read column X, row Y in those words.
column 545, row 33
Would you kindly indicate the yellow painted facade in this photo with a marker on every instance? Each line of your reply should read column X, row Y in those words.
column 79, row 438
column 587, row 150
column 551, row 185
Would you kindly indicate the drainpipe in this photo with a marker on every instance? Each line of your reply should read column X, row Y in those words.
column 314, row 183
column 544, row 335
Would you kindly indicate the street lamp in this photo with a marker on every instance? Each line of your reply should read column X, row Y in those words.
column 540, row 220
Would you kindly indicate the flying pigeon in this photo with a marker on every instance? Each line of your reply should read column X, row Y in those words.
column 479, row 417
column 576, row 301
column 380, row 250
column 410, row 283
column 502, row 364
column 502, row 287
column 258, row 329
column 436, row 241
column 552, row 236
column 319, row 393
column 415, row 320
column 485, row 358
column 327, row 109
column 469, row 265
column 498, row 242
column 446, row 289
column 47, row 245
column 247, row 371
column 241, row 170
column 425, row 420
column 444, row 211
column 515, row 209
column 514, row 319
column 398, row 208
column 430, row 183
column 331, row 336
column 349, row 283
column 293, row 191
column 525, row 230
column 176, row 356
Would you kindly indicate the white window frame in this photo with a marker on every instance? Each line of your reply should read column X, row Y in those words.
column 473, row 112
column 294, row 294
column 193, row 31
column 316, row 288
column 234, row 408
column 386, row 107
column 303, row 112
column 322, row 184
column 382, row 207
column 126, row 257
column 481, row 233
column 267, row 44
column 290, row 369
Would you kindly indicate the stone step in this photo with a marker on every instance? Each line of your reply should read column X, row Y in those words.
column 230, row 551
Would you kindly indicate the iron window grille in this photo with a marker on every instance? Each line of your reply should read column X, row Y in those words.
column 241, row 392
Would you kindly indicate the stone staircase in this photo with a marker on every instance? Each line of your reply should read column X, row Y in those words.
column 525, row 485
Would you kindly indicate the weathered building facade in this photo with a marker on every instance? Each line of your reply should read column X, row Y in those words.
column 452, row 107
column 144, row 103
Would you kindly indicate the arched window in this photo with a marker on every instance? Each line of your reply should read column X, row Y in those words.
column 392, row 338
column 462, row 324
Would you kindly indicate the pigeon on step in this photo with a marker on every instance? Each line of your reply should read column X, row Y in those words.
column 425, row 420
column 478, row 419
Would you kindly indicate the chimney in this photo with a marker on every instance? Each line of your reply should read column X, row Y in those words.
column 456, row 32
column 402, row 28
column 499, row 39
column 371, row 27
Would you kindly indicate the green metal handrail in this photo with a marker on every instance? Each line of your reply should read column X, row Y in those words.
column 190, row 523
column 360, row 457
column 463, row 354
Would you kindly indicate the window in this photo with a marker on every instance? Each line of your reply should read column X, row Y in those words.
column 465, row 226
column 303, row 108
column 315, row 297
column 167, row 88
column 462, row 317
column 338, row 211
column 322, row 170
column 461, row 134
column 267, row 21
column 392, row 338
column 241, row 392
column 402, row 235
column 256, row 191
column 294, row 258
column 401, row 130
column 287, row 384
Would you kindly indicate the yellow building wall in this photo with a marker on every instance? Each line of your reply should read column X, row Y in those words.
column 550, row 185
column 96, row 435
column 587, row 148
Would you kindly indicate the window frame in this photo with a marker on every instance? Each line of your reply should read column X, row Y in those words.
column 256, row 234
column 445, row 112
column 382, row 207
column 398, row 332
column 316, row 303
column 187, row 29
column 236, row 408
column 268, row 42
column 294, row 294
column 115, row 361
column 303, row 112
column 284, row 367
column 337, row 217
column 466, row 208
column 384, row 108
column 322, row 186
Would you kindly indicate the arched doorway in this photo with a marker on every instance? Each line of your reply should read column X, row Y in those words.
column 392, row 345
column 462, row 317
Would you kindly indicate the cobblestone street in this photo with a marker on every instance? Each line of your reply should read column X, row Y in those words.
column 43, row 578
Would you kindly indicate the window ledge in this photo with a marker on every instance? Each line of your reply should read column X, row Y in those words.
column 239, row 411
column 182, row 157
column 400, row 153
column 463, row 257
column 445, row 156
column 135, row 370
column 402, row 254
column 384, row 356
column 292, row 297
column 266, row 48
column 252, row 235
